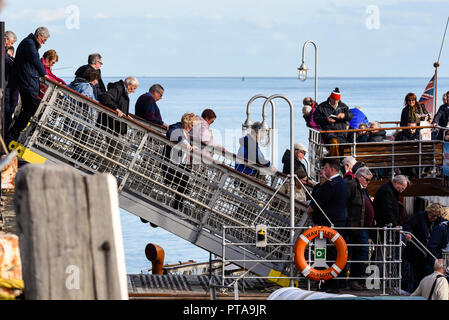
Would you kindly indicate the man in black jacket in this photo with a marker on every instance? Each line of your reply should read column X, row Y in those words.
column 94, row 61
column 386, row 205
column 117, row 99
column 357, row 208
column 442, row 117
column 333, row 114
column 25, row 77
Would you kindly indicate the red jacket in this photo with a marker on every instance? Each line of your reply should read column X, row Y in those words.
column 42, row 87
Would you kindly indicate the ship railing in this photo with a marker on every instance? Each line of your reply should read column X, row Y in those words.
column 386, row 158
column 200, row 196
column 383, row 268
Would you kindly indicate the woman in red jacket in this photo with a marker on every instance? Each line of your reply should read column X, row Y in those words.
column 49, row 59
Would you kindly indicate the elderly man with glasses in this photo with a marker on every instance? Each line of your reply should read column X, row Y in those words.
column 360, row 213
column 386, row 205
column 147, row 108
column 94, row 61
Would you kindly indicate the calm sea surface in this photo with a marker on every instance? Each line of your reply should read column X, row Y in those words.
column 380, row 98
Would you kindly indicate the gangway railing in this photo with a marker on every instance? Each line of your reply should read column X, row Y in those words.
column 192, row 201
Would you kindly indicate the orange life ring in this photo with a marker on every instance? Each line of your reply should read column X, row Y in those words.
column 301, row 244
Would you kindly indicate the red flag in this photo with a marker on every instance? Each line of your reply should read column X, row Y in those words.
column 427, row 97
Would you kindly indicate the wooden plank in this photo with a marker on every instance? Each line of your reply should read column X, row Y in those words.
column 63, row 221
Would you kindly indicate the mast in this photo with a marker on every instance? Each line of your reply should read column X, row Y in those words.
column 436, row 65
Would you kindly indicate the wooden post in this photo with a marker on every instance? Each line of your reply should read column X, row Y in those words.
column 70, row 234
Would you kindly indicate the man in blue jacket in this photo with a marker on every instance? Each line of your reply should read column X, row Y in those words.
column 27, row 70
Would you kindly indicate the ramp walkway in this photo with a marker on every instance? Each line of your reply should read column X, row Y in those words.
column 71, row 129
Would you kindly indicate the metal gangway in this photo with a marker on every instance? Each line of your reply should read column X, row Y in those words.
column 71, row 129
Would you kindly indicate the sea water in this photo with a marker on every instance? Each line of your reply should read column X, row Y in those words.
column 381, row 99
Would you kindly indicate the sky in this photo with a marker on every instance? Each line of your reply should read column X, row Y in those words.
column 235, row 38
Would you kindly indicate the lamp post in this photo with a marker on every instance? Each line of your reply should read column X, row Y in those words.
column 303, row 69
column 265, row 130
column 292, row 171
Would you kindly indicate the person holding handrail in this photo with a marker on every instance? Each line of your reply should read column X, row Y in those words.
column 420, row 225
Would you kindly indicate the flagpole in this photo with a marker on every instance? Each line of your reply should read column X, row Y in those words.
column 436, row 65
column 435, row 87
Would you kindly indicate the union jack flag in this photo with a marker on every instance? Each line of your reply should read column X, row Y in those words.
column 427, row 97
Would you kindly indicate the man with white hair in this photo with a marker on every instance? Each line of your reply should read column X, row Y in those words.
column 117, row 99
column 27, row 70
column 435, row 285
column 348, row 163
column 386, row 206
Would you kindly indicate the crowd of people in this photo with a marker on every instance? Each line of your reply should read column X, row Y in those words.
column 339, row 199
column 333, row 114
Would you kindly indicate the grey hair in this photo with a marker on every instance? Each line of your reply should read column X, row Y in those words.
column 42, row 31
column 351, row 161
column 401, row 179
column 10, row 35
column 439, row 264
column 93, row 58
column 131, row 81
column 376, row 123
column 156, row 87
column 363, row 171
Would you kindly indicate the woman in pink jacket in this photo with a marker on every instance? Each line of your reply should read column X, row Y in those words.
column 49, row 58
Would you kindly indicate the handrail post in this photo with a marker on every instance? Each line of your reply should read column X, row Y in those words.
column 292, row 173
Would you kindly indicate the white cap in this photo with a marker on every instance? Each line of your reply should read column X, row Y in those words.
column 300, row 147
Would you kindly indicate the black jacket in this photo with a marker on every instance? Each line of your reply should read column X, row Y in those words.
column 355, row 206
column 332, row 197
column 421, row 227
column 377, row 136
column 439, row 239
column 28, row 66
column 115, row 98
column 322, row 113
column 405, row 114
column 100, row 88
column 286, row 163
column 442, row 116
column 386, row 206
column 406, row 135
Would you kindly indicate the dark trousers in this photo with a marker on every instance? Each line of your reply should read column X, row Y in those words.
column 180, row 180
column 30, row 103
column 357, row 253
